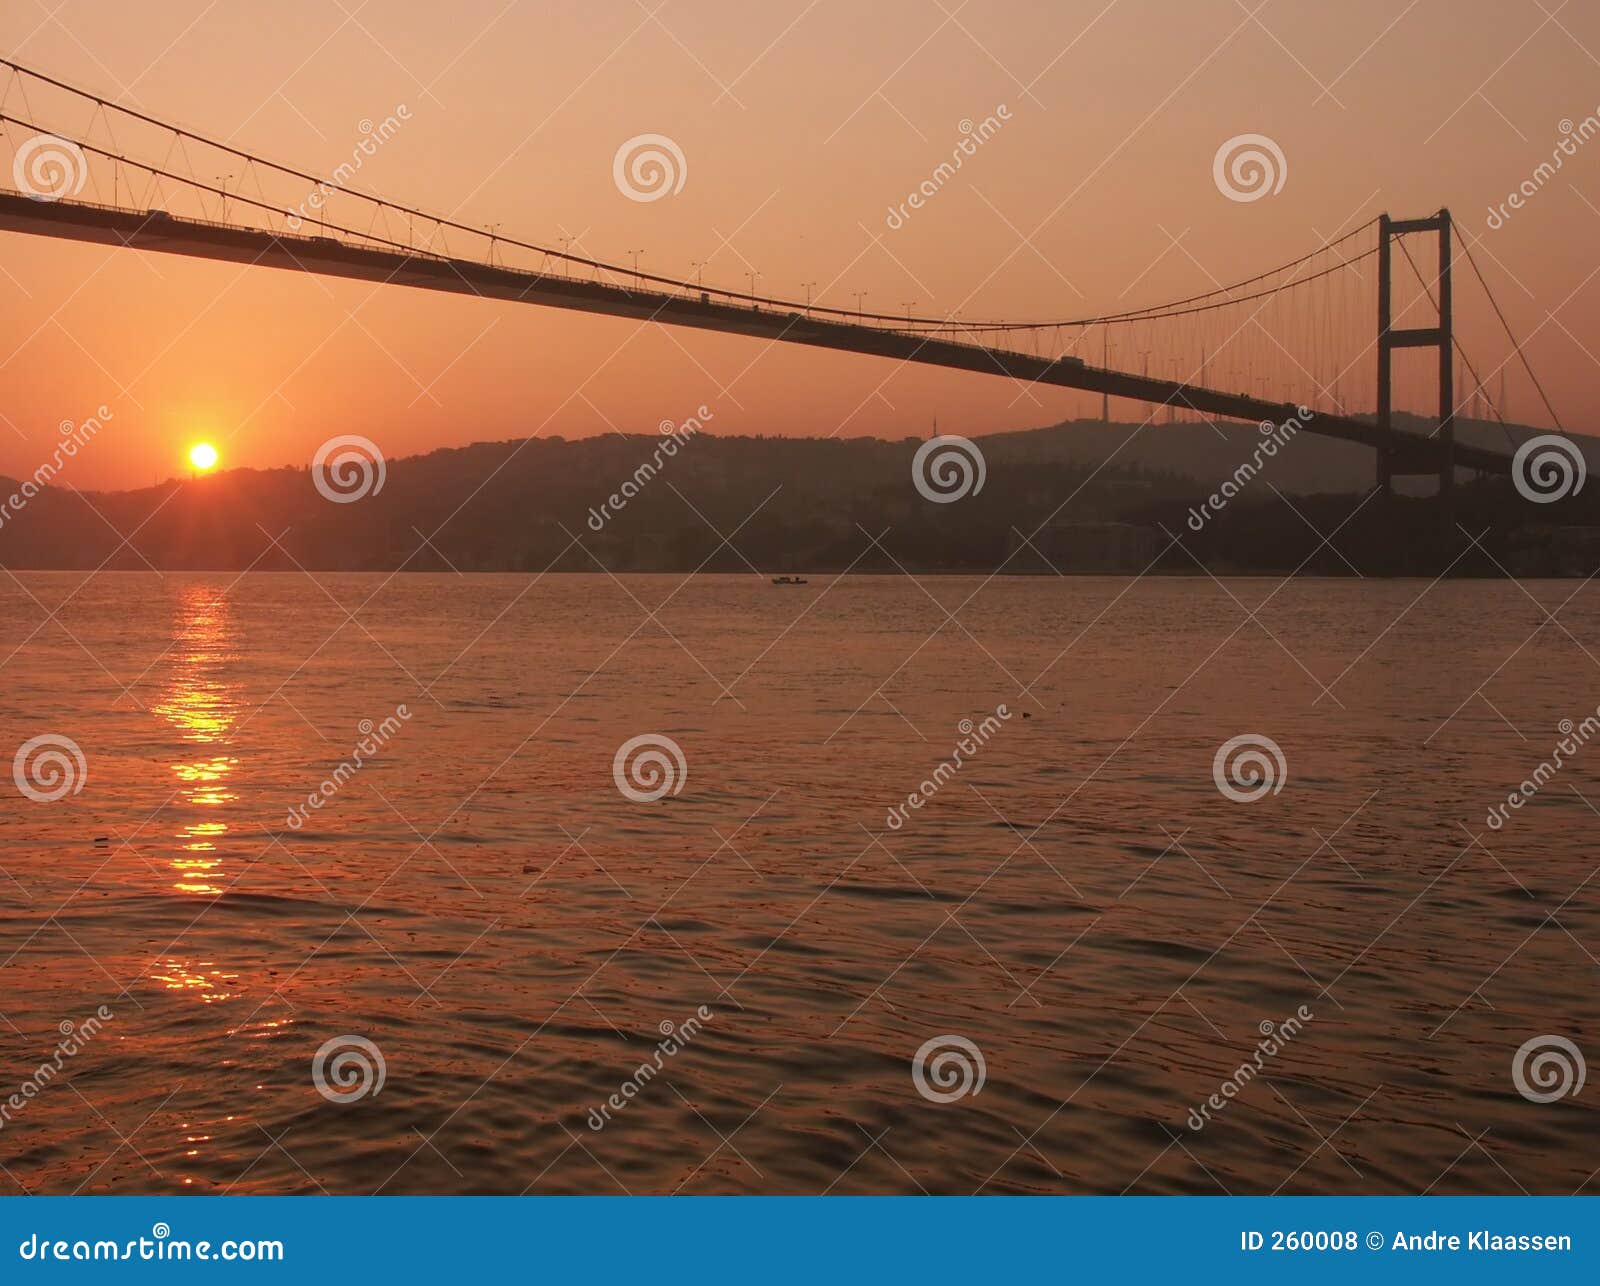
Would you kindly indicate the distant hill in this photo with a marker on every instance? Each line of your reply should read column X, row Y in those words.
column 1081, row 496
column 1209, row 452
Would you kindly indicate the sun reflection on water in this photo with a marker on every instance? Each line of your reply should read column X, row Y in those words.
column 202, row 978
column 201, row 702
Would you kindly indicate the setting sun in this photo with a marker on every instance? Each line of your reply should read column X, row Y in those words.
column 203, row 456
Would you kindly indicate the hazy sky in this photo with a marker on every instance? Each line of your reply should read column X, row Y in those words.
column 801, row 124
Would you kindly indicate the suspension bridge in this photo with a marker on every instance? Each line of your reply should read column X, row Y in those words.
column 1310, row 327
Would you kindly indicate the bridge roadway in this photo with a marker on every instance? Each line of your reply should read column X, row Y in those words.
column 157, row 231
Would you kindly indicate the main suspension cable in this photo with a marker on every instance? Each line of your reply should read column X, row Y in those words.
column 907, row 322
column 1516, row 347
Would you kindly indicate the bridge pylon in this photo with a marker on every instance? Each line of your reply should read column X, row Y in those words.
column 1394, row 462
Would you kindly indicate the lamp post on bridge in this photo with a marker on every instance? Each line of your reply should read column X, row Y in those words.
column 1105, row 361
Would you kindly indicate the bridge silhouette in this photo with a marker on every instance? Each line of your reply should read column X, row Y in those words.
column 53, row 166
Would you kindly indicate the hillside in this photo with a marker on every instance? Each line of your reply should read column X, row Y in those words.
column 1097, row 500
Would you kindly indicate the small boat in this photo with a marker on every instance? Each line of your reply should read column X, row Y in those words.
column 788, row 580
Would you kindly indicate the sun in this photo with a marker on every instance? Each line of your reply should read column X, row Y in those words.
column 203, row 456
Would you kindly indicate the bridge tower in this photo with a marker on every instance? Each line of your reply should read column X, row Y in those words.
column 1394, row 462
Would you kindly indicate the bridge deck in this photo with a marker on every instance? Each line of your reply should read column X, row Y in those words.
column 170, row 235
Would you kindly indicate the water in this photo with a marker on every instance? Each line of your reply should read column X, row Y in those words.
column 1078, row 899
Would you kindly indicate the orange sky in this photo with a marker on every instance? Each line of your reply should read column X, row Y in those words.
column 801, row 124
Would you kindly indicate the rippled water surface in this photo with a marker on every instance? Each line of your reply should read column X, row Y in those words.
column 1077, row 900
